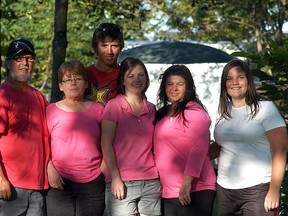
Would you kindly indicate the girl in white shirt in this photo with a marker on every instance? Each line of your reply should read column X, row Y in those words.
column 251, row 138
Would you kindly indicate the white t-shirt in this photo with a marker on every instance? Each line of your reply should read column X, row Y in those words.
column 246, row 157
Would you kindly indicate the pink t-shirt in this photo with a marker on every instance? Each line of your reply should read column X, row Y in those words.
column 24, row 144
column 133, row 139
column 181, row 150
column 75, row 142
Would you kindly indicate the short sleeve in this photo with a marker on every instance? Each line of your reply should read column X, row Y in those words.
column 270, row 116
column 111, row 111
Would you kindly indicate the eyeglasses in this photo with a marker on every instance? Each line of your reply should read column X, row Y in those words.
column 26, row 58
column 108, row 27
column 70, row 81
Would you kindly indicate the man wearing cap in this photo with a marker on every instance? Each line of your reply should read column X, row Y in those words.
column 24, row 146
column 107, row 42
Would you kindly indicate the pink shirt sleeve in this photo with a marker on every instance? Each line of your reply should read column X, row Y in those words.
column 111, row 111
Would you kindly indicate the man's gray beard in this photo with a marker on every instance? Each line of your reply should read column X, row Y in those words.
column 21, row 78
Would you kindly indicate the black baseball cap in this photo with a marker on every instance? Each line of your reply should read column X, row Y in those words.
column 18, row 46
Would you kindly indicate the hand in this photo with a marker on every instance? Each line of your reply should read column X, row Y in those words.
column 184, row 193
column 117, row 189
column 54, row 178
column 5, row 189
column 272, row 200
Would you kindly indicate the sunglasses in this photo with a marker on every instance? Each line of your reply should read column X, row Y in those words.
column 108, row 27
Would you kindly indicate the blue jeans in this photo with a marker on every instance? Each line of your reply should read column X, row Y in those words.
column 24, row 202
column 77, row 199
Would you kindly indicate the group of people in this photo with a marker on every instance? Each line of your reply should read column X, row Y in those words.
column 105, row 147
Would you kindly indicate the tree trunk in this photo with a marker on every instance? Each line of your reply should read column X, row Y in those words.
column 59, row 45
column 281, row 18
column 258, row 40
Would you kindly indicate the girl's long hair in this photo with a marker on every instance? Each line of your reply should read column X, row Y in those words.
column 252, row 97
column 190, row 93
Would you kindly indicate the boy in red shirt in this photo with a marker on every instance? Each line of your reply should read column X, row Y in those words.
column 107, row 43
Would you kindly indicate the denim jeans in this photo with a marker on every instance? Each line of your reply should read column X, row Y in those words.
column 24, row 202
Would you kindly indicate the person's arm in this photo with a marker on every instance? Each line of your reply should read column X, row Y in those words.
column 278, row 142
column 54, row 178
column 108, row 130
column 5, row 189
column 214, row 151
column 199, row 143
column 185, row 190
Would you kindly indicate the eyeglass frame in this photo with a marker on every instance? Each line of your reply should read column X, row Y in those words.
column 76, row 80
column 26, row 57
column 22, row 58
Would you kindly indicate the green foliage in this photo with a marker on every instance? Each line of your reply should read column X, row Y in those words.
column 89, row 14
column 213, row 21
column 200, row 20
column 272, row 69
column 31, row 20
column 34, row 20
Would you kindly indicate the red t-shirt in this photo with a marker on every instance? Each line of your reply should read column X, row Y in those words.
column 24, row 145
column 101, row 85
